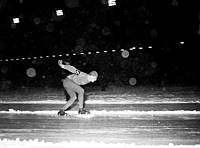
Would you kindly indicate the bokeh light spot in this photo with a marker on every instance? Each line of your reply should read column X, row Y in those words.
column 125, row 53
column 132, row 81
column 31, row 72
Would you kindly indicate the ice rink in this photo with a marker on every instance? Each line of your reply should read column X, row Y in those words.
column 120, row 117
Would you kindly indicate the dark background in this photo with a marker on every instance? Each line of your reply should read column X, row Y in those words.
column 90, row 26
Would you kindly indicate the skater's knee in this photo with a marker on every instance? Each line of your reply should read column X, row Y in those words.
column 65, row 86
column 81, row 91
column 73, row 98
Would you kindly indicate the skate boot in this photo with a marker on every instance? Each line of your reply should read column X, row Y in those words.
column 62, row 113
column 83, row 111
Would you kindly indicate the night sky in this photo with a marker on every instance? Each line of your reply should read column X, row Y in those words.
column 164, row 36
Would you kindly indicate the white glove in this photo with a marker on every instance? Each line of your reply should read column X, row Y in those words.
column 60, row 63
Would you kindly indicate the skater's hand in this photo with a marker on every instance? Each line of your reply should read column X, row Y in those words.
column 60, row 63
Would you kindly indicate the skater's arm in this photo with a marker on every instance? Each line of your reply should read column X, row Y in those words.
column 68, row 67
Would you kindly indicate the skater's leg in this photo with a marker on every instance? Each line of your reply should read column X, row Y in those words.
column 67, row 97
column 69, row 87
column 72, row 89
column 80, row 92
column 70, row 101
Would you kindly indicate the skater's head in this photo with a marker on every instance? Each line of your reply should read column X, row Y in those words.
column 93, row 73
column 92, row 76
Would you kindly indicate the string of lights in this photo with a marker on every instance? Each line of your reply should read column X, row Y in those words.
column 124, row 52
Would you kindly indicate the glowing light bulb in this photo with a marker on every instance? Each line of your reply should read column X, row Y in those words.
column 59, row 12
column 16, row 20
column 111, row 2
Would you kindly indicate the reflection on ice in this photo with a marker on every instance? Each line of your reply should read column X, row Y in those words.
column 130, row 114
column 107, row 113
column 5, row 143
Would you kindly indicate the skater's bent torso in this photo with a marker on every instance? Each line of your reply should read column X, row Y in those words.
column 80, row 79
